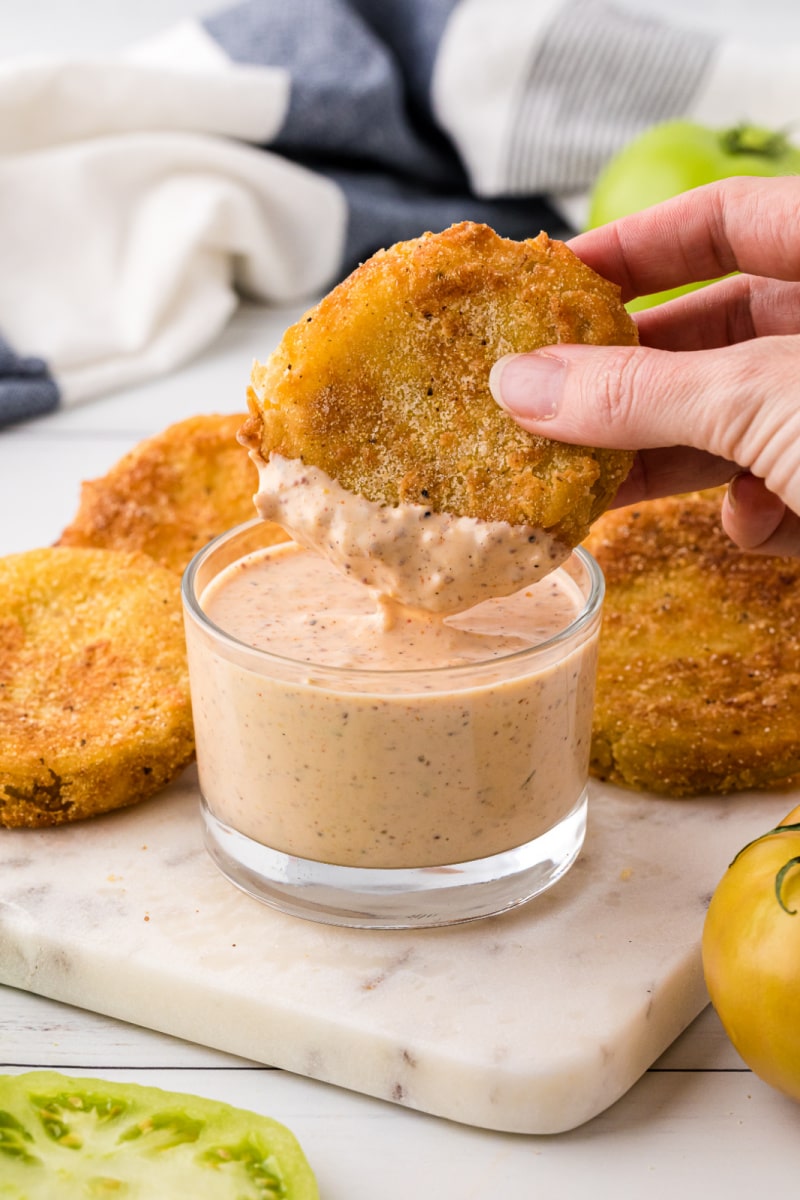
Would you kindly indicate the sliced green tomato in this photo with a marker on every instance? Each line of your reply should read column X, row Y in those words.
column 80, row 1139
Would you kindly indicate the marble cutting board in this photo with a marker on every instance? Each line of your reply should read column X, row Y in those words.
column 532, row 1022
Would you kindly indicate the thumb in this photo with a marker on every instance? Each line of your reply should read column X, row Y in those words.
column 735, row 402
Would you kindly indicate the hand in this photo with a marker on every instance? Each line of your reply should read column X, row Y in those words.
column 713, row 393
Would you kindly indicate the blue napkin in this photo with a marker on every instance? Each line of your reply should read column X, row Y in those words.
column 267, row 150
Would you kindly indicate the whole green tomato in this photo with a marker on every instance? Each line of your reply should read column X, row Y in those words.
column 751, row 954
column 679, row 155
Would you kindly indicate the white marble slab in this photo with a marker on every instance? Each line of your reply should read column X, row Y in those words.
column 532, row 1022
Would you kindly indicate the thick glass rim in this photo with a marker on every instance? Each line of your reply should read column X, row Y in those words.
column 570, row 633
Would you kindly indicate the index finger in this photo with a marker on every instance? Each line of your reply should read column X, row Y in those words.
column 741, row 224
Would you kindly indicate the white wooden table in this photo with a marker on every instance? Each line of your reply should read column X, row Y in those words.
column 697, row 1123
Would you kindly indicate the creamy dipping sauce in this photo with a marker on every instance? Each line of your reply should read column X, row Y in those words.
column 427, row 559
column 336, row 728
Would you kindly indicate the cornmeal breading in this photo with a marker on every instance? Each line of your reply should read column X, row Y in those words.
column 171, row 493
column 384, row 384
column 699, row 674
column 94, row 691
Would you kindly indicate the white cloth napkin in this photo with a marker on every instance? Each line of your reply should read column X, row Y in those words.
column 266, row 150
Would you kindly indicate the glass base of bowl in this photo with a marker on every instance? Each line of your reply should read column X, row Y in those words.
column 396, row 898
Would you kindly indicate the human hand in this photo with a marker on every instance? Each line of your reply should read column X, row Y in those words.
column 713, row 393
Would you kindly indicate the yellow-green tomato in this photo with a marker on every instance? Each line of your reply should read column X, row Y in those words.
column 674, row 157
column 64, row 1138
column 751, row 954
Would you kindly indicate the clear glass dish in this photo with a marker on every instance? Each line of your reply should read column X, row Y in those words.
column 446, row 794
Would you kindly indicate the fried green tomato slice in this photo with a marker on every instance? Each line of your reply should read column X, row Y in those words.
column 77, row 1139
column 95, row 710
column 698, row 686
column 171, row 494
column 384, row 384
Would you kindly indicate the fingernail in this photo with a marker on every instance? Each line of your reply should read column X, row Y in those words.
column 753, row 512
column 735, row 487
column 745, row 489
column 528, row 385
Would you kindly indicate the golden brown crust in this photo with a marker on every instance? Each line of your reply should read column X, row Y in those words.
column 171, row 494
column 94, row 693
column 699, row 671
column 384, row 385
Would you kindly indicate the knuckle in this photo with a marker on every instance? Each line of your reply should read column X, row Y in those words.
column 616, row 386
column 760, row 429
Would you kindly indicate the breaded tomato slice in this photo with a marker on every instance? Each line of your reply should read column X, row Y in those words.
column 698, row 686
column 384, row 385
column 94, row 691
column 171, row 493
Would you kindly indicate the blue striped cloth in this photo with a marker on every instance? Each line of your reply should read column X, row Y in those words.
column 270, row 148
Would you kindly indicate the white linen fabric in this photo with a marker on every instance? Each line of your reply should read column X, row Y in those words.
column 133, row 211
column 268, row 149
